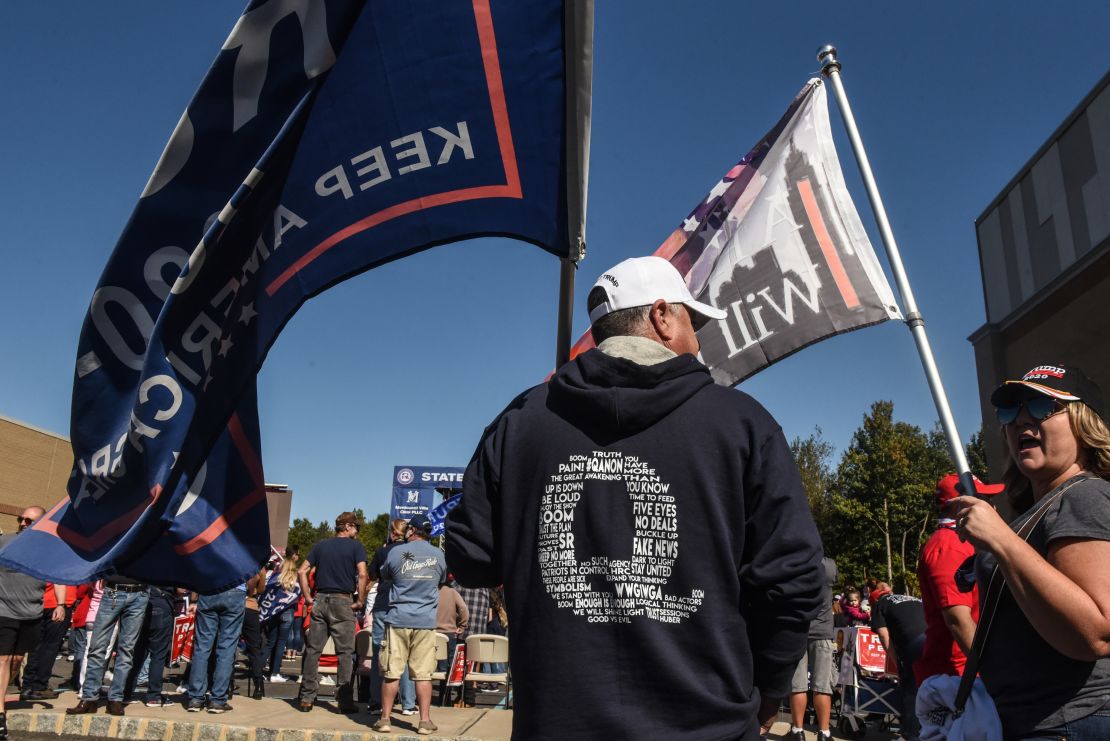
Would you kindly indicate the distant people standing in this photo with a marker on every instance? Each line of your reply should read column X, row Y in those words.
column 900, row 622
column 815, row 669
column 216, row 629
column 950, row 615
column 154, row 645
column 40, row 662
column 339, row 566
column 451, row 620
column 479, row 607
column 498, row 624
column 123, row 602
column 79, row 635
column 407, row 690
column 252, row 633
column 294, row 645
column 277, row 609
column 416, row 570
column 96, row 592
column 21, row 613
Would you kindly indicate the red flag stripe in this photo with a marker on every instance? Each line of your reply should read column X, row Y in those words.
column 828, row 249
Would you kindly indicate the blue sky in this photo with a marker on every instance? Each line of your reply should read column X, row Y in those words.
column 407, row 363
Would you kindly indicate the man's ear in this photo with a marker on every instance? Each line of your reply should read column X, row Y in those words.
column 662, row 320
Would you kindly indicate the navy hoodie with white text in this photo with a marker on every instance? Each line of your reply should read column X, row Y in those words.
column 660, row 562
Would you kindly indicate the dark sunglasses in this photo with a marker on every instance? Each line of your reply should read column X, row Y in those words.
column 25, row 520
column 1040, row 408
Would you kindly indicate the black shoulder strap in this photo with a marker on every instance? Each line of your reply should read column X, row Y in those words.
column 995, row 586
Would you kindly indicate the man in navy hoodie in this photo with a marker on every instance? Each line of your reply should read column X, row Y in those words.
column 650, row 529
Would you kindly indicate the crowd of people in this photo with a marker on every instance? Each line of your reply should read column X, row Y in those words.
column 650, row 528
column 120, row 631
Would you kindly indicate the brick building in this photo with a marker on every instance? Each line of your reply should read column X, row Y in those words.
column 34, row 468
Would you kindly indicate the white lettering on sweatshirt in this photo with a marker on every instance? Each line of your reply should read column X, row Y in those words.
column 598, row 588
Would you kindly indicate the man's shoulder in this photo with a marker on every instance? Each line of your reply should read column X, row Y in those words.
column 357, row 548
column 726, row 402
column 424, row 548
column 417, row 559
column 415, row 547
column 943, row 544
column 327, row 544
column 530, row 399
column 471, row 593
column 339, row 545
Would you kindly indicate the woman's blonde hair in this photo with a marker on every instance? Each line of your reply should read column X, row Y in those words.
column 398, row 528
column 1093, row 434
column 287, row 577
column 1093, row 437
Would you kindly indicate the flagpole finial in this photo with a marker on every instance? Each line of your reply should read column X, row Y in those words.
column 827, row 56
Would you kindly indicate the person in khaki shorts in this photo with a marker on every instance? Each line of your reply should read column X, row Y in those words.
column 815, row 669
column 416, row 569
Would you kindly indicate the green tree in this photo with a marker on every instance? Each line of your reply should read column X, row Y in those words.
column 977, row 456
column 813, row 455
column 882, row 504
column 373, row 532
column 303, row 534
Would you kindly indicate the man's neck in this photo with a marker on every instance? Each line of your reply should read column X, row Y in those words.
column 639, row 350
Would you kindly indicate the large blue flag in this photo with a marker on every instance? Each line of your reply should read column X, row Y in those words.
column 329, row 137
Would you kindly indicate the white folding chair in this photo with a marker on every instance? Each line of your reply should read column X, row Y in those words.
column 487, row 648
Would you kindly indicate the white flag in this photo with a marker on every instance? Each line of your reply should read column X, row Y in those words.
column 778, row 244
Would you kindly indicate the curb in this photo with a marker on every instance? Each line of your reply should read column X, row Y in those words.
column 155, row 729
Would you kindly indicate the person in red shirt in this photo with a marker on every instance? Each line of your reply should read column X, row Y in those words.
column 79, row 634
column 950, row 615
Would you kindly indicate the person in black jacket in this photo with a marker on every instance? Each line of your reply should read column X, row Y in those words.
column 900, row 622
column 650, row 529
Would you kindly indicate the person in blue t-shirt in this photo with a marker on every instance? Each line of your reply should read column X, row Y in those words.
column 416, row 569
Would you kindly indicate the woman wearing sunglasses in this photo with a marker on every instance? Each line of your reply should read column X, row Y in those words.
column 1046, row 662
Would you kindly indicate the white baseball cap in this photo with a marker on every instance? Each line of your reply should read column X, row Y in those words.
column 641, row 281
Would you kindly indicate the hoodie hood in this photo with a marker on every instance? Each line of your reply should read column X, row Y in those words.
column 615, row 397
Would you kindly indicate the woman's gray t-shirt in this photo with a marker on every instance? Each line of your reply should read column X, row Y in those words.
column 1034, row 686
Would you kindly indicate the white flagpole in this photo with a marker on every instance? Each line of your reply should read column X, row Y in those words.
column 830, row 68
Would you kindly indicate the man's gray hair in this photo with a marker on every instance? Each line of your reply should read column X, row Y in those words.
column 630, row 322
column 622, row 322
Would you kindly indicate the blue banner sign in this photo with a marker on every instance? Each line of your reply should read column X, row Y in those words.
column 417, row 490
